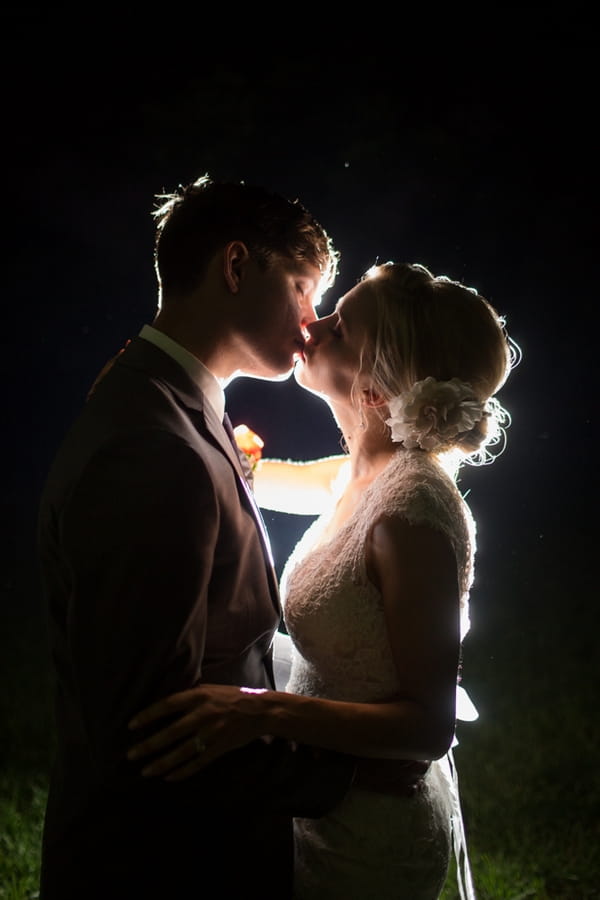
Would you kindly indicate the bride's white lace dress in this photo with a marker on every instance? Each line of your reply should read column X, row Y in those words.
column 372, row 845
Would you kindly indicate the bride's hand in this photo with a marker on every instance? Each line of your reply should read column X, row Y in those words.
column 212, row 719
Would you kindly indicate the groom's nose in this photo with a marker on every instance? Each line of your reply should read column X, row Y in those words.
column 307, row 314
column 312, row 330
column 307, row 317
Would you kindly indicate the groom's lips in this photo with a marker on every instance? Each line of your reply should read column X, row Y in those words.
column 307, row 350
column 300, row 352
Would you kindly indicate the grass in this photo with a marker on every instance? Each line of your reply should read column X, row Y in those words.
column 26, row 746
column 22, row 803
column 528, row 768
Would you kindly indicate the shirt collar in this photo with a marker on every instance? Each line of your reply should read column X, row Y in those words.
column 197, row 371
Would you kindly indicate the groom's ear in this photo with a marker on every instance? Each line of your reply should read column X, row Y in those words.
column 371, row 397
column 235, row 255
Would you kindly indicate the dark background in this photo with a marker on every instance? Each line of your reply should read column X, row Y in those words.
column 464, row 143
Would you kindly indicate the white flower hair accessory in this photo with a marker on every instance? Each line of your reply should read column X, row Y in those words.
column 433, row 413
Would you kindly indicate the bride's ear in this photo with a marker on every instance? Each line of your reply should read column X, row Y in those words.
column 370, row 397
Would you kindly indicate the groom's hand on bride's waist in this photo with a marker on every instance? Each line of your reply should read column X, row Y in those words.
column 400, row 777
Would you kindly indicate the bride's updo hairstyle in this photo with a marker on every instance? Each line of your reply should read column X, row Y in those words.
column 430, row 327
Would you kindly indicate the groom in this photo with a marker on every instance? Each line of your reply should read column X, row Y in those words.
column 158, row 573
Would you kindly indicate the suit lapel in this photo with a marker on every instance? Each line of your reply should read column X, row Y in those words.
column 217, row 431
column 158, row 364
column 246, row 466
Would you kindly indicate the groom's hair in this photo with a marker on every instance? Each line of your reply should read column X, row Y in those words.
column 196, row 221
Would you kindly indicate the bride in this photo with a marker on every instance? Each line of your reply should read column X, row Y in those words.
column 376, row 592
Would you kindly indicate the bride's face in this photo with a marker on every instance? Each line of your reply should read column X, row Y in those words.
column 333, row 354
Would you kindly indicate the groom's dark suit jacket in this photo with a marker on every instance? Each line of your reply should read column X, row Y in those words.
column 157, row 578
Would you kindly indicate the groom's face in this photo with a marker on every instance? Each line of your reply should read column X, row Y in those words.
column 279, row 303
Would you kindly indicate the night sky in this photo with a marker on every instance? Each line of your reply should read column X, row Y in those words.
column 467, row 146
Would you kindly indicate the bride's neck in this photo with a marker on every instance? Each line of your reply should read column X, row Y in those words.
column 367, row 438
column 370, row 447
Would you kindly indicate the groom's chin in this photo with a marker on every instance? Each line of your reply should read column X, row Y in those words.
column 298, row 372
column 274, row 376
column 282, row 376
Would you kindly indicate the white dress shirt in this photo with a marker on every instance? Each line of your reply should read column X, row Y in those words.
column 206, row 381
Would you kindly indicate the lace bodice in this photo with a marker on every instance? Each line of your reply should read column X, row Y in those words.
column 333, row 612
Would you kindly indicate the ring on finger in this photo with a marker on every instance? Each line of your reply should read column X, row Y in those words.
column 199, row 745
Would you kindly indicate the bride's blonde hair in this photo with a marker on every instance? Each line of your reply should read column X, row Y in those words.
column 432, row 326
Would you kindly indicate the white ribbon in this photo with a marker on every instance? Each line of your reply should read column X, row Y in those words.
column 464, row 877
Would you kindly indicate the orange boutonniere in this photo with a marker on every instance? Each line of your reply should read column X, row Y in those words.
column 249, row 443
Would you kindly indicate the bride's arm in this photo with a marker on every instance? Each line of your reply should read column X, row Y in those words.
column 290, row 486
column 303, row 488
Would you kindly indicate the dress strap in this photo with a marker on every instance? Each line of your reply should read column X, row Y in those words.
column 464, row 877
